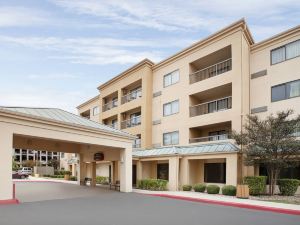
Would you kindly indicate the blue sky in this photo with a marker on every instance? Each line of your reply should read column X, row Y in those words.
column 55, row 53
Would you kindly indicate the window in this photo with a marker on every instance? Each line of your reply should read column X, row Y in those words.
column 171, row 78
column 285, row 91
column 95, row 110
column 163, row 171
column 171, row 108
column 285, row 52
column 215, row 172
column 290, row 172
column 171, row 138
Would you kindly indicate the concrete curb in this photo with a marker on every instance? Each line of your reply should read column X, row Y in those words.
column 9, row 202
column 233, row 204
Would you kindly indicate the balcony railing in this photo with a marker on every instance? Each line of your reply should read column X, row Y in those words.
column 132, row 122
column 132, row 96
column 137, row 144
column 211, row 71
column 210, row 138
column 211, row 107
column 109, row 105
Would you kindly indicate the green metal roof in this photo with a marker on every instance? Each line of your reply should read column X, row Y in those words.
column 62, row 116
column 223, row 147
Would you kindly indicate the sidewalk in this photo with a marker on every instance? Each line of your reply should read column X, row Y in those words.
column 42, row 179
column 226, row 200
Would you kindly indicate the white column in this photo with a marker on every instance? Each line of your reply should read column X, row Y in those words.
column 126, row 169
column 81, row 170
column 173, row 173
column 6, row 146
column 184, row 171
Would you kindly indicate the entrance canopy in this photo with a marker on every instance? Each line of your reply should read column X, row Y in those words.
column 60, row 131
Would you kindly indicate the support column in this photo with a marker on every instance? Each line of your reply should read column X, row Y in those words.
column 6, row 183
column 139, row 170
column 231, row 170
column 126, row 169
column 81, row 170
column 173, row 173
column 184, row 171
column 93, row 174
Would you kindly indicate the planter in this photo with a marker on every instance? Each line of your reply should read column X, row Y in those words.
column 242, row 191
column 67, row 177
column 36, row 175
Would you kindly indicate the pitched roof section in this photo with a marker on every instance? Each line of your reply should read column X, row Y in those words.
column 88, row 101
column 134, row 67
column 223, row 147
column 238, row 24
column 61, row 116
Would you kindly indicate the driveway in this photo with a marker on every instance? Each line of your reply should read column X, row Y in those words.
column 84, row 205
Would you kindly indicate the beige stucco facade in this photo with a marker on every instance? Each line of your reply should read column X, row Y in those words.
column 217, row 82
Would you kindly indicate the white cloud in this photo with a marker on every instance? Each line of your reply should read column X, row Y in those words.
column 194, row 15
column 97, row 50
column 57, row 76
column 38, row 97
column 20, row 16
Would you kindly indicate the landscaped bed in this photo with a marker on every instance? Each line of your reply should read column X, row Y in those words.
column 278, row 198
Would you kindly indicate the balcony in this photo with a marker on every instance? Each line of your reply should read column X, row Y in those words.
column 211, row 106
column 132, row 122
column 134, row 94
column 211, row 71
column 110, row 105
column 211, row 132
column 211, row 65
column 210, row 138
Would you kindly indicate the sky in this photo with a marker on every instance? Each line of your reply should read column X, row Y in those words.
column 55, row 53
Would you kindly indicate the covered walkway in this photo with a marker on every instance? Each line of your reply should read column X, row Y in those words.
column 60, row 131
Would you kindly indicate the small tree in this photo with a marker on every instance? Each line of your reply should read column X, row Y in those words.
column 271, row 142
column 54, row 163
column 15, row 166
column 29, row 163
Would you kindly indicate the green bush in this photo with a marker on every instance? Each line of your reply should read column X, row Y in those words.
column 229, row 190
column 199, row 187
column 257, row 184
column 288, row 187
column 187, row 187
column 73, row 178
column 213, row 189
column 153, row 184
column 101, row 180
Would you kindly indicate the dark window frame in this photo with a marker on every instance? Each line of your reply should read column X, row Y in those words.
column 222, row 177
column 285, row 59
column 285, row 91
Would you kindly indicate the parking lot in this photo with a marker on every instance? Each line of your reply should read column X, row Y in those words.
column 58, row 203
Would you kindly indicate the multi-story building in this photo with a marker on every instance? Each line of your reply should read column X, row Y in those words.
column 43, row 157
column 183, row 109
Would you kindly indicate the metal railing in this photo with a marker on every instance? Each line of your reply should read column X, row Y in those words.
column 109, row 105
column 210, row 138
column 211, row 71
column 211, row 107
column 132, row 96
column 137, row 144
column 132, row 122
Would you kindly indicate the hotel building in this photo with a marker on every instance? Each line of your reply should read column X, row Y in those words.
column 183, row 109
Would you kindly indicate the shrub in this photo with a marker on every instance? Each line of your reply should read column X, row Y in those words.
column 153, row 184
column 199, row 187
column 257, row 184
column 229, row 190
column 187, row 187
column 101, row 180
column 288, row 187
column 73, row 178
column 213, row 189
